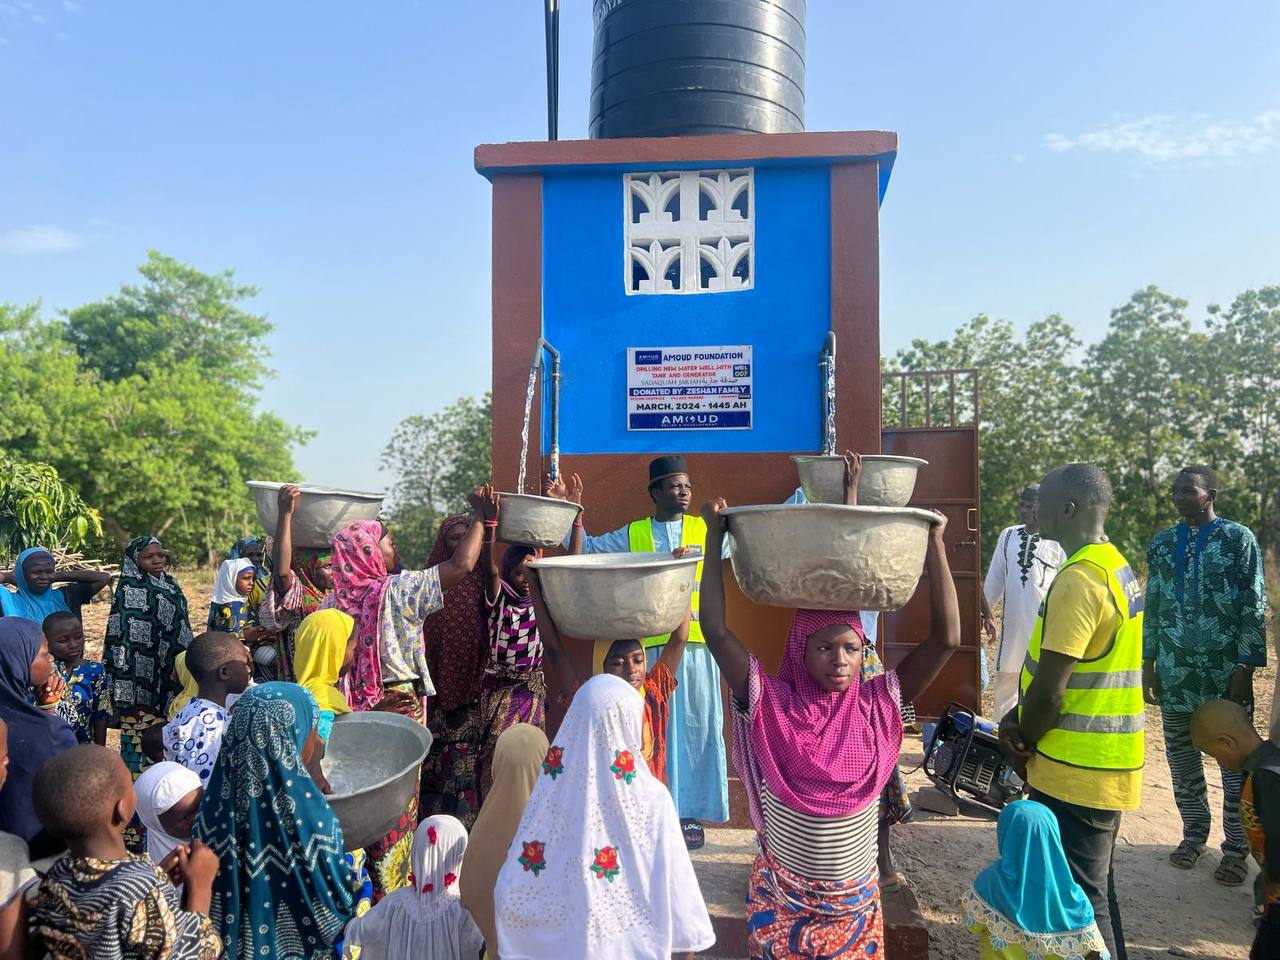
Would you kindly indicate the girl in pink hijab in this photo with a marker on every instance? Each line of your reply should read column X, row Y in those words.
column 815, row 746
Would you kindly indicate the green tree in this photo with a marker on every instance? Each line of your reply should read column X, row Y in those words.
column 37, row 508
column 1245, row 347
column 1151, row 407
column 437, row 460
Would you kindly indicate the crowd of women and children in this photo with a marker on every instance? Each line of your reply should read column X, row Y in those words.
column 208, row 833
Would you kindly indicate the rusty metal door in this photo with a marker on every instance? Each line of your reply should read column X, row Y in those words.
column 934, row 415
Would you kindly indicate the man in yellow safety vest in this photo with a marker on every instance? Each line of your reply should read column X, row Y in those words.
column 1076, row 735
column 696, row 763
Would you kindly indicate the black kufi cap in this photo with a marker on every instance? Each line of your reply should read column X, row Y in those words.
column 662, row 467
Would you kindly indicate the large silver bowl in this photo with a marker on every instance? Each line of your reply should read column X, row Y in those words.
column 829, row 557
column 373, row 762
column 886, row 481
column 320, row 513
column 535, row 521
column 617, row 596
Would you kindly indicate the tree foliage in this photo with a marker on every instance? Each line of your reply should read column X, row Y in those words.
column 146, row 404
column 436, row 460
column 38, row 508
column 1154, row 394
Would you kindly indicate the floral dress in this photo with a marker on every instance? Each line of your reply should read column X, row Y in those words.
column 87, row 698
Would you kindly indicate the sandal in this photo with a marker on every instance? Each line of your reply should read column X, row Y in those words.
column 694, row 835
column 1186, row 854
column 1232, row 870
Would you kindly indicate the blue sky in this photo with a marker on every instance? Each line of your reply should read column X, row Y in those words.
column 1052, row 158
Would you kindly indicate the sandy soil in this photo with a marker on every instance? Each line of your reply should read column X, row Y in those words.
column 1166, row 911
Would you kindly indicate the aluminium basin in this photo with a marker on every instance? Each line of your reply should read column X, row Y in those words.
column 319, row 514
column 617, row 596
column 535, row 521
column 827, row 556
column 373, row 762
column 886, row 481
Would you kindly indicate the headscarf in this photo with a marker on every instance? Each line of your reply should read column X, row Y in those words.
column 224, row 588
column 517, row 761
column 274, row 833
column 598, row 860
column 190, row 687
column 146, row 630
column 360, row 583
column 457, row 635
column 306, row 564
column 319, row 647
column 427, row 919
column 35, row 735
column 510, row 560
column 600, row 653
column 820, row 753
column 26, row 603
column 159, row 787
column 238, row 548
column 1028, row 897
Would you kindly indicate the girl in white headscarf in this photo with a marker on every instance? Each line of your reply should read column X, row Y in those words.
column 227, row 610
column 599, row 861
column 426, row 919
column 168, row 797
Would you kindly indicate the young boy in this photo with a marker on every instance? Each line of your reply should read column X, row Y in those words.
column 101, row 901
column 221, row 666
column 1223, row 730
column 626, row 659
column 85, row 703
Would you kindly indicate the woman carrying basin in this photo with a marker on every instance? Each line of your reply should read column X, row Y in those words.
column 815, row 746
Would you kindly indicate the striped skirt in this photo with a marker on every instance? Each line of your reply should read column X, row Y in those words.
column 504, row 702
column 790, row 917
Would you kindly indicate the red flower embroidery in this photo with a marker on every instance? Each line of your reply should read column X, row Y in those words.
column 428, row 887
column 606, row 865
column 624, row 766
column 431, row 835
column 531, row 858
column 553, row 766
column 450, row 879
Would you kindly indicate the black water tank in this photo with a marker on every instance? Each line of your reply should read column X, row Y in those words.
column 683, row 68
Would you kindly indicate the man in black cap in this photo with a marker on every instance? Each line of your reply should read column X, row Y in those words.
column 696, row 765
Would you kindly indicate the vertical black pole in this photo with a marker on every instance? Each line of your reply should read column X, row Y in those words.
column 553, row 68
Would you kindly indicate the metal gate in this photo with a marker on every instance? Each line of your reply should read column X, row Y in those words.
column 933, row 414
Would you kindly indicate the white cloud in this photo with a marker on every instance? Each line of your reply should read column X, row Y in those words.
column 31, row 241
column 1169, row 138
column 71, row 6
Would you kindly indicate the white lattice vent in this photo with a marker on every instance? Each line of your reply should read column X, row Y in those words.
column 690, row 231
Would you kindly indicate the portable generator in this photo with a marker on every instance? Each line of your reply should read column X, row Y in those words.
column 963, row 755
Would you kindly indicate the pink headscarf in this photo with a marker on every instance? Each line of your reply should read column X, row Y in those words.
column 821, row 754
column 359, row 585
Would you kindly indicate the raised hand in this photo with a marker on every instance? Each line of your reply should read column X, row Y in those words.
column 711, row 513
column 287, row 498
column 852, row 473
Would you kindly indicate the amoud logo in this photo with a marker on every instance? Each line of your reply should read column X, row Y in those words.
column 691, row 420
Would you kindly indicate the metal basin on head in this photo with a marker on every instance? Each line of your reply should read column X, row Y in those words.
column 320, row 512
column 829, row 557
column 617, row 596
column 886, row 481
column 372, row 762
column 535, row 521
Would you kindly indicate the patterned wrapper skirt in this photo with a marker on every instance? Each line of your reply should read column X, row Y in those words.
column 790, row 917
column 388, row 859
column 449, row 773
column 131, row 726
column 504, row 702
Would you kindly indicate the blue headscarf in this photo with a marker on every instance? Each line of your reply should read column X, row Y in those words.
column 25, row 603
column 35, row 735
column 274, row 833
column 1028, row 897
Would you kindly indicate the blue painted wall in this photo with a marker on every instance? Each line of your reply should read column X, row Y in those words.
column 588, row 316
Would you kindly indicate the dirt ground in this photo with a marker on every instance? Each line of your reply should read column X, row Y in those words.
column 1166, row 911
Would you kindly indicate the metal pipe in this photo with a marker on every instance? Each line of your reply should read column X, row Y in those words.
column 555, row 399
column 827, row 363
column 552, row 30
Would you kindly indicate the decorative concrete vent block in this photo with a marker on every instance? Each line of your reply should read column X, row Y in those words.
column 689, row 231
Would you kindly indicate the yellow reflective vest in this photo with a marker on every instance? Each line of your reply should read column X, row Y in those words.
column 1100, row 726
column 693, row 533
